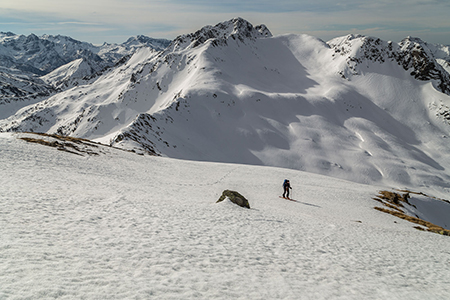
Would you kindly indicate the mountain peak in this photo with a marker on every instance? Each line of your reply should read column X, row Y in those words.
column 6, row 34
column 236, row 29
column 413, row 39
column 239, row 27
column 142, row 40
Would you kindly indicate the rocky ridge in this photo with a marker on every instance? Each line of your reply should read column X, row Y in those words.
column 236, row 29
column 413, row 54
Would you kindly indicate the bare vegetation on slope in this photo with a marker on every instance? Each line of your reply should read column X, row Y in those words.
column 68, row 144
column 395, row 202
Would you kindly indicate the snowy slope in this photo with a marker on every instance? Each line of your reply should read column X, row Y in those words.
column 124, row 226
column 77, row 69
column 356, row 108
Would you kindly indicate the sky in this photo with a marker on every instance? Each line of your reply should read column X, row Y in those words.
column 114, row 21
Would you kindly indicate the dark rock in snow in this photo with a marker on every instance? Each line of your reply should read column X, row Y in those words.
column 234, row 197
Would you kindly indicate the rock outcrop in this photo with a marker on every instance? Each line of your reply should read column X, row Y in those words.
column 234, row 197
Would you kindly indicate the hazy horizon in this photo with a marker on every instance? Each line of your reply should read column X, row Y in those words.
column 115, row 21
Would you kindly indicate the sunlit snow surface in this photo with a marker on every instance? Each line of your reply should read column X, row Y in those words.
column 124, row 226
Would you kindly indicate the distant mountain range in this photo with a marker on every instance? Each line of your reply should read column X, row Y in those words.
column 42, row 55
column 27, row 62
column 356, row 107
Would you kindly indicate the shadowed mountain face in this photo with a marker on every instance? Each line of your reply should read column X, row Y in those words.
column 356, row 107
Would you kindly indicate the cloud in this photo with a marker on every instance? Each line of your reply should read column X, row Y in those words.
column 169, row 18
column 77, row 23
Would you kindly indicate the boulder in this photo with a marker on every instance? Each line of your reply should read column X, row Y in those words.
column 234, row 197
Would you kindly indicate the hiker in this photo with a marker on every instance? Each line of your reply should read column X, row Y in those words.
column 286, row 187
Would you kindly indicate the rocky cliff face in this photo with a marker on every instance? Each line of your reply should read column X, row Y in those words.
column 236, row 29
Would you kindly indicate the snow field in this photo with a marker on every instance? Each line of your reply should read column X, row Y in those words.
column 124, row 226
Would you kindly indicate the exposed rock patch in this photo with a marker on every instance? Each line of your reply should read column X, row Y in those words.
column 234, row 197
column 396, row 204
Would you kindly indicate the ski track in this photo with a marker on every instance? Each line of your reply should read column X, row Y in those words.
column 123, row 226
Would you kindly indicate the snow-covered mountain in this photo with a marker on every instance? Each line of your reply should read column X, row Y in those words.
column 62, row 62
column 425, row 62
column 41, row 55
column 356, row 107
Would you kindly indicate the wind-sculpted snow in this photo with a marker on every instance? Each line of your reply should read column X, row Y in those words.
column 357, row 108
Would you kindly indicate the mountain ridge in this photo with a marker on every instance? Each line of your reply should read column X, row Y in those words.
column 410, row 53
column 41, row 55
column 236, row 28
column 32, row 67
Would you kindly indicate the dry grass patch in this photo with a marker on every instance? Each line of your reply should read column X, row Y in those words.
column 62, row 146
column 395, row 202
column 70, row 144
column 396, row 199
column 67, row 138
